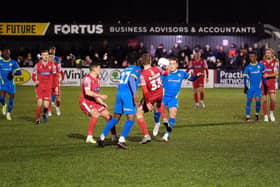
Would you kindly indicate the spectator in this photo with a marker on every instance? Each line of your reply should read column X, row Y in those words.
column 141, row 49
column 118, row 53
column 232, row 51
column 114, row 64
column 20, row 61
column 159, row 50
column 165, row 54
column 187, row 51
column 221, row 55
column 216, row 50
column 87, row 61
column 152, row 50
column 206, row 52
column 28, row 62
column 241, row 61
column 70, row 60
column 231, row 63
column 105, row 60
column 1, row 55
column 257, row 50
column 211, row 61
column 176, row 49
column 183, row 60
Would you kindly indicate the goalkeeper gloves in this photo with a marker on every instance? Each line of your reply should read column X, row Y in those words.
column 246, row 89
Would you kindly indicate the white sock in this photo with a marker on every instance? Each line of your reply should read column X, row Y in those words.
column 102, row 137
column 89, row 136
column 157, row 124
column 122, row 139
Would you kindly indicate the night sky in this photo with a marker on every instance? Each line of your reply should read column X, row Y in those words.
column 144, row 11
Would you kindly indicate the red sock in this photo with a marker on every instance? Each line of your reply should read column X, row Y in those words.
column 57, row 103
column 272, row 106
column 91, row 125
column 162, row 112
column 142, row 125
column 202, row 95
column 38, row 112
column 50, row 107
column 264, row 105
column 196, row 97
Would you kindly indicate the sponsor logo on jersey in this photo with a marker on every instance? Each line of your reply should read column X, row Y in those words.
column 23, row 78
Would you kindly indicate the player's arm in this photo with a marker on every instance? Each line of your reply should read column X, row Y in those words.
column 265, row 88
column 190, row 66
column 133, row 89
column 34, row 74
column 192, row 77
column 61, row 73
column 245, row 79
column 145, row 90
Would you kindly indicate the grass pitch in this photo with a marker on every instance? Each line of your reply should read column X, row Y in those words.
column 208, row 147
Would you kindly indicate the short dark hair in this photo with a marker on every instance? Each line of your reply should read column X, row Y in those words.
column 94, row 64
column 146, row 58
column 44, row 51
column 252, row 53
column 131, row 58
column 173, row 59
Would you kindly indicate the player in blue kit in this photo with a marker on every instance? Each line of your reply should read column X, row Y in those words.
column 253, row 88
column 126, row 100
column 172, row 85
column 8, row 68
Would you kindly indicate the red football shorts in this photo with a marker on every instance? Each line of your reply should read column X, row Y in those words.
column 198, row 83
column 43, row 93
column 87, row 106
column 271, row 88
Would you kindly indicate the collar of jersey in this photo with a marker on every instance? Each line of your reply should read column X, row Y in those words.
column 6, row 60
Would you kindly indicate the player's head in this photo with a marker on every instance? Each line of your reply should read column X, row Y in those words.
column 173, row 64
column 6, row 54
column 95, row 67
column 253, row 56
column 52, row 50
column 51, row 56
column 268, row 53
column 146, row 59
column 131, row 59
column 45, row 55
column 197, row 53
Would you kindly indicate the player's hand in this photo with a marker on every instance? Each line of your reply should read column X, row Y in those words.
column 199, row 74
column 105, row 105
column 149, row 106
column 265, row 75
column 37, row 82
column 103, row 97
column 61, row 82
column 207, row 80
column 135, row 98
column 10, row 76
column 245, row 89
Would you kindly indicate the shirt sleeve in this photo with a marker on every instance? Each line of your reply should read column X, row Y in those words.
column 87, row 83
column 185, row 75
column 15, row 66
column 142, row 80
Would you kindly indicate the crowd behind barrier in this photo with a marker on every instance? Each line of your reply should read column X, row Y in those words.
column 235, row 58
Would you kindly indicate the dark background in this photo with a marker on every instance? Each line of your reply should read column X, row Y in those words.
column 144, row 11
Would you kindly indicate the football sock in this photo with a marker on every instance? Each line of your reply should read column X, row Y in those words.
column 57, row 103
column 248, row 107
column 142, row 125
column 126, row 128
column 109, row 125
column 50, row 107
column 91, row 125
column 272, row 106
column 156, row 117
column 38, row 112
column 53, row 98
column 202, row 96
column 258, row 106
column 264, row 105
column 2, row 100
column 10, row 105
column 171, row 122
column 162, row 112
column 196, row 97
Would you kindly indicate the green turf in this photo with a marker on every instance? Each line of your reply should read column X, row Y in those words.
column 209, row 147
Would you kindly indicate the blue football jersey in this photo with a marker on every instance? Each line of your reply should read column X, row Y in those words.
column 173, row 81
column 130, row 71
column 6, row 67
column 254, row 74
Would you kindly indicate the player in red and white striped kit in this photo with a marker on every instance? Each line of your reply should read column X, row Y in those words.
column 199, row 65
column 271, row 73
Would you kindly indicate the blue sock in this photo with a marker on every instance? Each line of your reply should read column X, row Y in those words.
column 10, row 105
column 248, row 107
column 109, row 125
column 2, row 100
column 127, row 127
column 156, row 117
column 53, row 98
column 171, row 122
column 258, row 106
